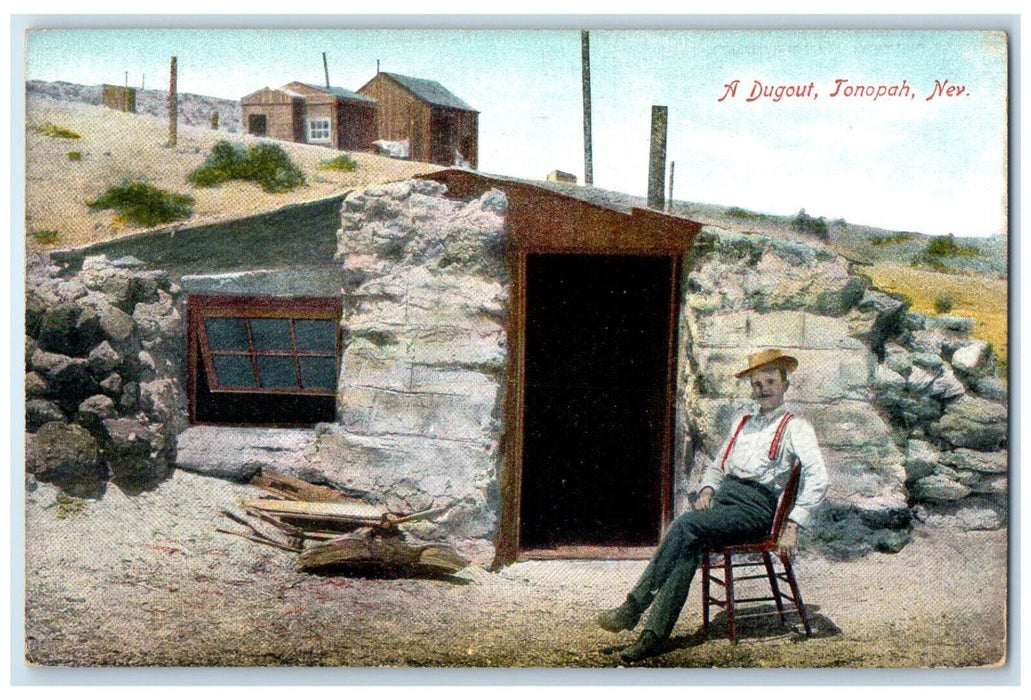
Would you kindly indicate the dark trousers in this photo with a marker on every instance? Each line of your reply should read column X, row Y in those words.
column 741, row 511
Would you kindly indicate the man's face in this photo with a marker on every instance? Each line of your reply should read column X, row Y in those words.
column 768, row 388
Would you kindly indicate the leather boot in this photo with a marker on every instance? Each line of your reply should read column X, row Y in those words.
column 648, row 644
column 624, row 617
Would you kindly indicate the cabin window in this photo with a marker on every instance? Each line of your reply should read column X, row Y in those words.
column 257, row 124
column 318, row 130
column 263, row 360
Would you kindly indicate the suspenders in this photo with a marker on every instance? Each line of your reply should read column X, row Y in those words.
column 774, row 445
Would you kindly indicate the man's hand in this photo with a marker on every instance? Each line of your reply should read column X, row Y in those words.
column 788, row 539
column 704, row 500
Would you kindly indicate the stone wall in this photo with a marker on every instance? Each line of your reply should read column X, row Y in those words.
column 909, row 415
column 105, row 352
column 423, row 370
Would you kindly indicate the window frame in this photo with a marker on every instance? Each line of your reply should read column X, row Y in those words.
column 200, row 353
column 328, row 129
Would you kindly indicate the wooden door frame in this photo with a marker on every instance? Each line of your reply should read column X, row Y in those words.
column 507, row 546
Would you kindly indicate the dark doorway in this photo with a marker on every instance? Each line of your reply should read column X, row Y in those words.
column 598, row 332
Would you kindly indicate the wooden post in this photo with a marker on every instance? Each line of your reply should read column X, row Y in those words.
column 173, row 106
column 669, row 199
column 657, row 158
column 585, row 50
column 325, row 67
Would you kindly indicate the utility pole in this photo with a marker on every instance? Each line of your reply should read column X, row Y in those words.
column 585, row 51
column 173, row 106
column 325, row 67
column 669, row 199
column 657, row 158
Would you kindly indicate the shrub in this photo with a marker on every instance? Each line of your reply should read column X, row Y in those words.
column 942, row 247
column 946, row 247
column 893, row 239
column 803, row 223
column 75, row 156
column 944, row 302
column 46, row 236
column 57, row 132
column 265, row 163
column 739, row 213
column 141, row 203
column 343, row 162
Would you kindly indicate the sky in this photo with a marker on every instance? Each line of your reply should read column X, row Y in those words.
column 896, row 160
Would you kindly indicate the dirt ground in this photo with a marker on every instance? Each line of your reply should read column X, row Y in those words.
column 147, row 581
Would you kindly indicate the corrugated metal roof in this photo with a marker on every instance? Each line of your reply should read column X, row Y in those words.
column 431, row 92
column 342, row 93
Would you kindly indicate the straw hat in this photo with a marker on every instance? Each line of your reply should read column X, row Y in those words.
column 768, row 359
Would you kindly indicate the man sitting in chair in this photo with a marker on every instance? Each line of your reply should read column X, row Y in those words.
column 736, row 504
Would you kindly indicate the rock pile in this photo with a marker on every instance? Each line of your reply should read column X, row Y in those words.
column 104, row 356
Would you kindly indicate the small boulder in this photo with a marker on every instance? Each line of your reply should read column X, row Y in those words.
column 991, row 388
column 973, row 422
column 35, row 385
column 38, row 412
column 138, row 453
column 112, row 384
column 938, row 487
column 57, row 331
column 972, row 359
column 921, row 459
column 94, row 411
column 65, row 453
column 103, row 358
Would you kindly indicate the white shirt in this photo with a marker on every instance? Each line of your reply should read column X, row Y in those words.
column 749, row 459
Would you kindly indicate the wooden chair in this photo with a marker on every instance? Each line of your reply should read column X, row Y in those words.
column 724, row 559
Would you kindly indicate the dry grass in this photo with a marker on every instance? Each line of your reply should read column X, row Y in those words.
column 115, row 145
column 979, row 297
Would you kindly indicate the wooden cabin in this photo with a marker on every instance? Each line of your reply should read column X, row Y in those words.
column 275, row 113
column 328, row 116
column 440, row 128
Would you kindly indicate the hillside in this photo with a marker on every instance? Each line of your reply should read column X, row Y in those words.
column 194, row 110
column 63, row 174
column 868, row 245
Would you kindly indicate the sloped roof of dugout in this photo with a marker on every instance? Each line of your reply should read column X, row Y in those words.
column 557, row 216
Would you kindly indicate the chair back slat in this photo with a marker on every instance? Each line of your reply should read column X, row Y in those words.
column 787, row 501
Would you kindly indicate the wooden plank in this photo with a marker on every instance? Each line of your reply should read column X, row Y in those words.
column 259, row 540
column 389, row 554
column 351, row 510
column 298, row 489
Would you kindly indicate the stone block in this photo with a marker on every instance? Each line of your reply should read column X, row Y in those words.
column 408, row 474
column 238, row 454
column 366, row 364
column 441, row 416
column 973, row 460
column 973, row 422
column 938, row 487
